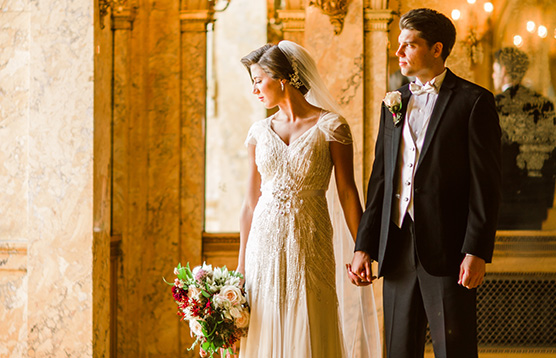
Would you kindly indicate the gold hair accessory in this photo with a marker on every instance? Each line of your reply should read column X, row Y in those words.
column 294, row 77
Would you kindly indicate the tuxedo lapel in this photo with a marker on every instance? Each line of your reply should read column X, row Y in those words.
column 439, row 108
column 397, row 134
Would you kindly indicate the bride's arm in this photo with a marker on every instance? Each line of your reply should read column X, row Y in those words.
column 251, row 198
column 342, row 156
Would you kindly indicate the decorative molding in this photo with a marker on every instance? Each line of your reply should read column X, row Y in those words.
column 292, row 20
column 195, row 20
column 378, row 20
column 335, row 9
column 122, row 10
column 375, row 4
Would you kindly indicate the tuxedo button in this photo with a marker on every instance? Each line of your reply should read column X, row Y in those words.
column 408, row 183
column 412, row 149
column 406, row 199
column 410, row 165
column 398, row 196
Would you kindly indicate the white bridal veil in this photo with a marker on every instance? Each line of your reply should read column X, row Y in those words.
column 358, row 317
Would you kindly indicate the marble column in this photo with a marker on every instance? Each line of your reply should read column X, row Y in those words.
column 125, row 260
column 160, row 246
column 47, row 287
column 192, row 138
column 102, row 188
column 15, row 86
column 376, row 47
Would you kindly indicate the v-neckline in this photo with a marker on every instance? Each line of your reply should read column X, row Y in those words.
column 321, row 114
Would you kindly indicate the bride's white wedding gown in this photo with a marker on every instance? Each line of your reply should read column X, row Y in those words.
column 289, row 262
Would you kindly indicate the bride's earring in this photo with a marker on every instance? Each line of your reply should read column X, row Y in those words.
column 282, row 85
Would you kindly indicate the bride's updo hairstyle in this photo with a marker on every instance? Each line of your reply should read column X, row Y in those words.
column 275, row 63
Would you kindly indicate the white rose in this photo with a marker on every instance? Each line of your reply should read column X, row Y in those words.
column 196, row 327
column 243, row 320
column 232, row 294
column 392, row 99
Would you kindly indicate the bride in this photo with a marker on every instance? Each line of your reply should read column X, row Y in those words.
column 287, row 250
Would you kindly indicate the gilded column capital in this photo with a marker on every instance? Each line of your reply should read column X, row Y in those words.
column 292, row 20
column 378, row 20
column 122, row 11
column 123, row 17
column 335, row 9
column 195, row 20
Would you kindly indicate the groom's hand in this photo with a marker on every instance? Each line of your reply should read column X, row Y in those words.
column 472, row 271
column 360, row 271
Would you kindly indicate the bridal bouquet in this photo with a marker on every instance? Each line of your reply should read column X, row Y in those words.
column 214, row 304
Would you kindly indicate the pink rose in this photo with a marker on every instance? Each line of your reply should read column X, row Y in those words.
column 243, row 320
column 232, row 294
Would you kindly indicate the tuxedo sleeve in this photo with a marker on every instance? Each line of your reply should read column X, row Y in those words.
column 368, row 234
column 484, row 140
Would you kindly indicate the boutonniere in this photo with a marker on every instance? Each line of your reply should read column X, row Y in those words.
column 393, row 101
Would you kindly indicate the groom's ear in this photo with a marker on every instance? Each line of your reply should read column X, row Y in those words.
column 437, row 49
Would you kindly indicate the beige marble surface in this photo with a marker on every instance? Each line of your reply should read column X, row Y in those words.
column 46, row 122
column 14, row 113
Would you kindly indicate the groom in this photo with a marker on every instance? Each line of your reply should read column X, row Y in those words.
column 433, row 198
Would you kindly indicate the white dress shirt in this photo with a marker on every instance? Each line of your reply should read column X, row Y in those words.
column 417, row 117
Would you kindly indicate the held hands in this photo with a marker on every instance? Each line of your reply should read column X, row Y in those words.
column 360, row 271
column 471, row 271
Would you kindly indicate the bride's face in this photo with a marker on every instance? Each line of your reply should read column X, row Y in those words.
column 267, row 89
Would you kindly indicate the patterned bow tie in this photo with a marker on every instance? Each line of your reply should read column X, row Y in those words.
column 417, row 89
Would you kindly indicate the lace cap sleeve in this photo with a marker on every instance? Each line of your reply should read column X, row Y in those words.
column 336, row 128
column 254, row 133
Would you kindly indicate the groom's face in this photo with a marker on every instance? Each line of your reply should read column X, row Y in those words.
column 416, row 57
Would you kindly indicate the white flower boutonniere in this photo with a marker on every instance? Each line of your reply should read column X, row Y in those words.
column 393, row 101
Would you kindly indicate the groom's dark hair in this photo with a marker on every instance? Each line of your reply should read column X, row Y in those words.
column 432, row 26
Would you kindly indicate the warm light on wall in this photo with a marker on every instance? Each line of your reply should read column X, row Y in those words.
column 531, row 26
column 542, row 32
column 488, row 7
column 474, row 24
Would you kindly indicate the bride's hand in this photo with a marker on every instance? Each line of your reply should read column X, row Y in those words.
column 241, row 270
column 356, row 280
column 360, row 271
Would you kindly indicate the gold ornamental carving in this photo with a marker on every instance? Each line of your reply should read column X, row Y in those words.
column 335, row 9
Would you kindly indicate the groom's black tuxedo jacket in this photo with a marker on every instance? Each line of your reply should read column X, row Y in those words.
column 456, row 183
